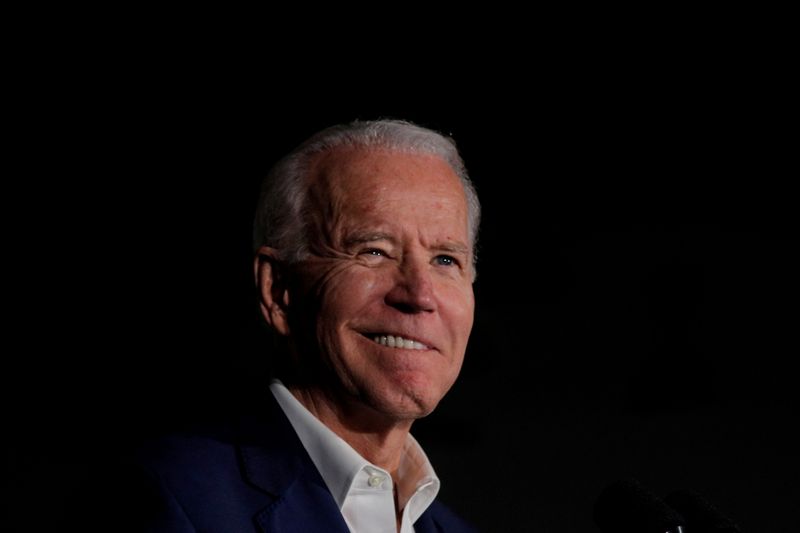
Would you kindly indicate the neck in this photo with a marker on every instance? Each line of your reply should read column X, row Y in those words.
column 376, row 438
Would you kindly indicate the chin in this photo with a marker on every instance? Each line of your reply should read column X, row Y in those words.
column 405, row 401
column 400, row 385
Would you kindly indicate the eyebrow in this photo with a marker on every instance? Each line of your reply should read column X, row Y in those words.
column 452, row 247
column 360, row 237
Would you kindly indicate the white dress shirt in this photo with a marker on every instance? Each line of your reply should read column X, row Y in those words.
column 363, row 491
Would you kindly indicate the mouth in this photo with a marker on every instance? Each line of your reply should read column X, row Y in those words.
column 393, row 340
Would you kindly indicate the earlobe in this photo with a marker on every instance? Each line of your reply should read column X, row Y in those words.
column 273, row 292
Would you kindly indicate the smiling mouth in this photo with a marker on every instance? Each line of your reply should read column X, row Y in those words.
column 395, row 341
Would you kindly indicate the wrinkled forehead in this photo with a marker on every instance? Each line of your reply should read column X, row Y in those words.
column 366, row 174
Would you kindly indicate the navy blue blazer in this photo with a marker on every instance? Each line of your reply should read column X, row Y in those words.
column 255, row 478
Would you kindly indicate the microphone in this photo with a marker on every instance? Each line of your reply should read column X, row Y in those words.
column 626, row 506
column 701, row 516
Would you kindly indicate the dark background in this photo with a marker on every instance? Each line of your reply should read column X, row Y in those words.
column 633, row 317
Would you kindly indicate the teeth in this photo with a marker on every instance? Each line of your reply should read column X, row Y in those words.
column 399, row 342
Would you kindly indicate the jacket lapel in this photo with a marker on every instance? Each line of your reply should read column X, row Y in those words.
column 304, row 508
column 426, row 524
column 274, row 460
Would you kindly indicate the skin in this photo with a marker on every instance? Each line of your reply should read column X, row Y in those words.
column 391, row 255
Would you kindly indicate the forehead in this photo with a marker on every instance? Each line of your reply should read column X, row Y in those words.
column 364, row 176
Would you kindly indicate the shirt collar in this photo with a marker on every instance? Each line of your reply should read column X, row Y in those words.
column 339, row 464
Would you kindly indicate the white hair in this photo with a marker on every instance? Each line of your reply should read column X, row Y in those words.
column 279, row 221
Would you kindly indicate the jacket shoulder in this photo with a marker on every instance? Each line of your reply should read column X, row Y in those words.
column 191, row 480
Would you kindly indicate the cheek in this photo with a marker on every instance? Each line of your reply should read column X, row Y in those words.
column 459, row 312
column 350, row 295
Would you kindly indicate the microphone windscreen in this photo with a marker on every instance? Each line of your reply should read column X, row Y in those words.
column 700, row 515
column 626, row 506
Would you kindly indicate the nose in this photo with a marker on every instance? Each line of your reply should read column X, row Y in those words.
column 413, row 290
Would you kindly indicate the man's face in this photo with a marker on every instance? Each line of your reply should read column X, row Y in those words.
column 390, row 258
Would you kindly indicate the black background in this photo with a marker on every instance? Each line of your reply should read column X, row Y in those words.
column 636, row 300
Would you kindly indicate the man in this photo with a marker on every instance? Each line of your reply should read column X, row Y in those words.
column 364, row 240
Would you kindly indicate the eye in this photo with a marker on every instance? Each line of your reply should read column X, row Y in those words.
column 373, row 255
column 445, row 260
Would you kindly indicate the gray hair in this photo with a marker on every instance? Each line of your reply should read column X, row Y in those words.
column 279, row 220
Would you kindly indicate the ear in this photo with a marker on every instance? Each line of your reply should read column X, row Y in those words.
column 273, row 293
